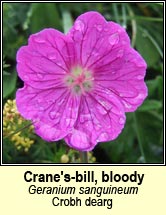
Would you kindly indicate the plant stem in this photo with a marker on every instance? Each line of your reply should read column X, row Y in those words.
column 115, row 9
column 83, row 157
column 134, row 26
column 15, row 132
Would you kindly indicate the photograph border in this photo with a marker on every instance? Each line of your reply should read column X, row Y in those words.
column 96, row 164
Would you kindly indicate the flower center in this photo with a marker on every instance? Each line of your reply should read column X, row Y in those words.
column 79, row 80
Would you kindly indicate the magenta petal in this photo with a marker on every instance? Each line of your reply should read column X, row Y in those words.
column 47, row 109
column 95, row 38
column 46, row 59
column 125, row 78
column 101, row 118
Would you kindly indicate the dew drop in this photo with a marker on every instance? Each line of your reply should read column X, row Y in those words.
column 61, row 102
column 127, row 105
column 140, row 96
column 41, row 108
column 97, row 127
column 51, row 101
column 121, row 120
column 106, row 91
column 59, row 63
column 53, row 114
column 30, row 90
column 106, row 105
column 95, row 53
column 39, row 39
column 120, row 53
column 103, row 137
column 114, row 39
column 140, row 77
column 101, row 110
column 52, row 56
column 26, row 78
column 39, row 101
column 68, row 122
column 79, row 25
column 40, row 76
column 69, row 109
column 99, row 27
column 84, row 118
column 105, row 29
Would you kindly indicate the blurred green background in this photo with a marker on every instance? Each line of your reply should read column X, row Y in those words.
column 142, row 138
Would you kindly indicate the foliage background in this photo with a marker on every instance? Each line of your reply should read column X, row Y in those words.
column 142, row 138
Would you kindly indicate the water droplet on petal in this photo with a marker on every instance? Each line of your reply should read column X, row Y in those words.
column 120, row 53
column 85, row 117
column 70, row 109
column 114, row 39
column 99, row 27
column 53, row 114
column 105, row 104
column 106, row 91
column 101, row 109
column 121, row 120
column 38, row 38
column 127, row 105
column 59, row 63
column 140, row 77
column 105, row 29
column 52, row 56
column 68, row 121
column 40, row 75
column 79, row 25
column 41, row 108
column 26, row 78
column 51, row 101
column 61, row 102
column 95, row 53
column 82, row 120
column 103, row 137
column 97, row 127
column 140, row 96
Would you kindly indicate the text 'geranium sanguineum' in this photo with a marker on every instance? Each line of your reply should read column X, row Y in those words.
column 78, row 86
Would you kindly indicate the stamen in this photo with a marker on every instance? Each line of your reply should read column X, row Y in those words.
column 79, row 80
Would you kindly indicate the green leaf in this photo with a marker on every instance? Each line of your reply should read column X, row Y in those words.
column 150, row 105
column 149, row 126
column 9, row 83
column 160, row 87
column 44, row 15
column 155, row 88
column 146, row 47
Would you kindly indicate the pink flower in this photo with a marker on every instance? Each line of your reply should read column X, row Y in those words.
column 78, row 86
